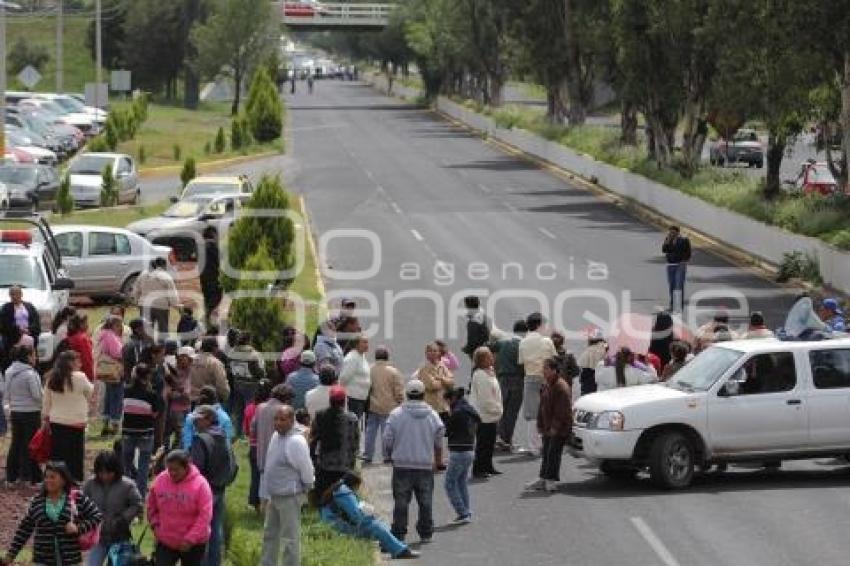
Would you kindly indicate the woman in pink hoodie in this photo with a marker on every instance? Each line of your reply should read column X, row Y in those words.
column 180, row 505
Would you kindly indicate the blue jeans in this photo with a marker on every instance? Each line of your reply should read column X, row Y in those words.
column 213, row 555
column 374, row 427
column 457, row 476
column 406, row 483
column 676, row 283
column 113, row 401
column 144, row 444
column 97, row 554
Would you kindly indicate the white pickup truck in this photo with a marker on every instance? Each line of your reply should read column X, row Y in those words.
column 756, row 400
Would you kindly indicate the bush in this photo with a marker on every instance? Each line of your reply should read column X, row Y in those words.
column 262, row 313
column 109, row 188
column 207, row 148
column 142, row 155
column 245, row 126
column 178, row 152
column 264, row 108
column 110, row 136
column 236, row 134
column 249, row 233
column 797, row 265
column 189, row 171
column 64, row 198
column 220, row 141
column 98, row 144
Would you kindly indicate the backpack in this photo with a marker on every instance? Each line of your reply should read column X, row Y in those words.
column 224, row 468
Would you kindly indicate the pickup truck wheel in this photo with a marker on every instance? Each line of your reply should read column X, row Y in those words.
column 671, row 462
column 617, row 471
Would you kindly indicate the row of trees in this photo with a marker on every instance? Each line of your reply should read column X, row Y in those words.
column 166, row 43
column 682, row 64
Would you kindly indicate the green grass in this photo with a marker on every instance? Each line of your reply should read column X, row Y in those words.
column 41, row 30
column 815, row 216
column 530, row 90
column 117, row 218
column 168, row 126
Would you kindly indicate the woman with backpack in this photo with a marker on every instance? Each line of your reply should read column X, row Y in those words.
column 59, row 519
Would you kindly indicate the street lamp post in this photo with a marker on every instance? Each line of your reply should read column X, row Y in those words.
column 99, row 56
column 3, row 6
column 60, row 23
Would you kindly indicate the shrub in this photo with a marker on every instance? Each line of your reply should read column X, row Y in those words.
column 236, row 134
column 261, row 313
column 98, row 144
column 841, row 239
column 248, row 233
column 142, row 155
column 64, row 198
column 178, row 152
column 189, row 171
column 220, row 141
column 110, row 135
column 245, row 126
column 799, row 265
column 207, row 148
column 22, row 54
column 109, row 188
column 264, row 108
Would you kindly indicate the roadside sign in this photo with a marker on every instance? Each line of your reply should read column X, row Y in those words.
column 120, row 81
column 29, row 77
column 99, row 97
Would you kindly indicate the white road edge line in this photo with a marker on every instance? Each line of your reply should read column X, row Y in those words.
column 654, row 542
column 484, row 188
column 510, row 207
column 417, row 235
column 369, row 174
column 396, row 208
column 547, row 233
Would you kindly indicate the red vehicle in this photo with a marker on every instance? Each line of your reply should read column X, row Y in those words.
column 304, row 9
column 16, row 155
column 816, row 178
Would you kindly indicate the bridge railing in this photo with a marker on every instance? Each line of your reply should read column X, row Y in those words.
column 302, row 12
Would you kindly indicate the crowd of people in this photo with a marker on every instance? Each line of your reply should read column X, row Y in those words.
column 174, row 406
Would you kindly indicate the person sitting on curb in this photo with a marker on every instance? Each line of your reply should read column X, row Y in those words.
column 343, row 510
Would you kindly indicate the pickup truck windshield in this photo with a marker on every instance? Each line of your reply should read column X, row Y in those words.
column 701, row 373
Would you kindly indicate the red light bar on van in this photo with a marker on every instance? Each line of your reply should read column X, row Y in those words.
column 21, row 237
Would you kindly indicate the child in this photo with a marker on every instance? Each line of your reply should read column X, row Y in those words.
column 188, row 328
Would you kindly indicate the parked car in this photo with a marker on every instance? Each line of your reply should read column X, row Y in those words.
column 744, row 147
column 760, row 401
column 36, row 266
column 85, row 122
column 214, row 185
column 815, row 178
column 104, row 261
column 26, row 141
column 17, row 155
column 86, row 175
column 77, row 136
column 71, row 104
column 31, row 187
column 191, row 216
column 53, row 140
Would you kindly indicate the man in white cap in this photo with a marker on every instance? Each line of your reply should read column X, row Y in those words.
column 304, row 379
column 412, row 436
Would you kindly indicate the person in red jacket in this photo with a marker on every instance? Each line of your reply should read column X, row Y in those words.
column 554, row 422
column 180, row 506
column 79, row 341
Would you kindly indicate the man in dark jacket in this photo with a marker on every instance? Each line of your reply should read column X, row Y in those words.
column 461, row 427
column 554, row 422
column 134, row 350
column 210, row 285
column 212, row 455
column 677, row 250
column 511, row 375
column 334, row 441
column 17, row 316
column 477, row 326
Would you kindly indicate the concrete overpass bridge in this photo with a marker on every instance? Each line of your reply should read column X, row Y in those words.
column 312, row 15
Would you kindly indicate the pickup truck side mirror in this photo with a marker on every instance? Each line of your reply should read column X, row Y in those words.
column 730, row 389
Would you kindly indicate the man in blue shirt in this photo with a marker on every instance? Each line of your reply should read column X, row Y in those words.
column 832, row 314
column 207, row 396
column 303, row 379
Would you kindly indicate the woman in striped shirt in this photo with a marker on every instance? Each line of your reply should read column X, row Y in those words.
column 141, row 406
column 56, row 517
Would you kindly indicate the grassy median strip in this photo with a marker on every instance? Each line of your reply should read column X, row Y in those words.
column 117, row 217
column 171, row 134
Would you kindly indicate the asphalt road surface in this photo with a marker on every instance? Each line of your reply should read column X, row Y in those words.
column 379, row 172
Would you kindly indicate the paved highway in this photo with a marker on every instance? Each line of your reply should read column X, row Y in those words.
column 440, row 199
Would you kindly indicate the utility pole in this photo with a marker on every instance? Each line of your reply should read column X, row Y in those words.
column 99, row 58
column 3, row 79
column 60, row 23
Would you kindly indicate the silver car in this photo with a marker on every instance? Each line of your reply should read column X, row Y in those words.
column 104, row 261
column 86, row 174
